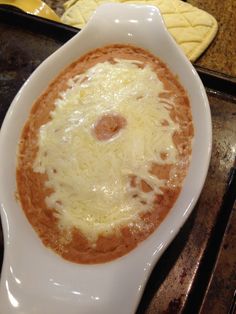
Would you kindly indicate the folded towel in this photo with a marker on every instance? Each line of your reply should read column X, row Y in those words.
column 192, row 28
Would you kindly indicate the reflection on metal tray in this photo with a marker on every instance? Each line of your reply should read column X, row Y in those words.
column 185, row 275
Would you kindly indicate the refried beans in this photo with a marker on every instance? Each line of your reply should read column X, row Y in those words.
column 104, row 153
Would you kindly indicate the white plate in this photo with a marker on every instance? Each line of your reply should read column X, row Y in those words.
column 34, row 280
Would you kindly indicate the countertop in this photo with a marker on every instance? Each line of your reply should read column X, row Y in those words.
column 221, row 54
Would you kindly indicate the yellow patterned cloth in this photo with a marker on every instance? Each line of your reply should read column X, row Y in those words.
column 192, row 28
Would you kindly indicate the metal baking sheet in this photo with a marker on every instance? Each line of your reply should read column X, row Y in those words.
column 183, row 280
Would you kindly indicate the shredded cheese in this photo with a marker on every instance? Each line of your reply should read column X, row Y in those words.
column 91, row 178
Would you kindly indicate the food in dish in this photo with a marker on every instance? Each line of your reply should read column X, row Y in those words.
column 104, row 153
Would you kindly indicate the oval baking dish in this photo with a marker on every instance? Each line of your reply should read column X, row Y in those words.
column 36, row 280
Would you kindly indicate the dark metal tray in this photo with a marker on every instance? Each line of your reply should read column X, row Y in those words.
column 196, row 274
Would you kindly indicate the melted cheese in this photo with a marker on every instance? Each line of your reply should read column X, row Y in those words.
column 91, row 178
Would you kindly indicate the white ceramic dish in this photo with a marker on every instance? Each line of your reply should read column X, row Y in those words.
column 34, row 280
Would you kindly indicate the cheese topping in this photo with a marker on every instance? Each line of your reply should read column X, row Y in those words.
column 91, row 178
